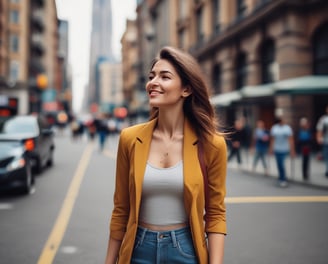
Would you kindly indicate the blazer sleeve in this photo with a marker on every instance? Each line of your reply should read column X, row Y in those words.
column 216, row 170
column 121, row 209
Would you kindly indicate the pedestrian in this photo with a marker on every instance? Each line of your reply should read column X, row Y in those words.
column 236, row 138
column 282, row 144
column 322, row 137
column 304, row 139
column 102, row 131
column 160, row 194
column 261, row 139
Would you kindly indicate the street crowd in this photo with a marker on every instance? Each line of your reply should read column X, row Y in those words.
column 281, row 141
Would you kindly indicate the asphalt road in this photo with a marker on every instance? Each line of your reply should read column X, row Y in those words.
column 66, row 219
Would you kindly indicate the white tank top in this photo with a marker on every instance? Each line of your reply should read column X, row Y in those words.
column 162, row 200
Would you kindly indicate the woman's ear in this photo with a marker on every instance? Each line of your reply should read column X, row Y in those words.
column 186, row 91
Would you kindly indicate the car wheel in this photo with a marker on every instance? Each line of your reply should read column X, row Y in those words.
column 38, row 166
column 50, row 161
column 29, row 180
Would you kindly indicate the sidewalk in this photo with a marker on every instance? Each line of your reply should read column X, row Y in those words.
column 293, row 169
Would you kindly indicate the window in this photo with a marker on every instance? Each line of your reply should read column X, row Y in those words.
column 14, row 43
column 268, row 61
column 216, row 15
column 199, row 24
column 14, row 17
column 216, row 78
column 320, row 51
column 241, row 71
column 14, row 71
column 241, row 8
column 181, row 38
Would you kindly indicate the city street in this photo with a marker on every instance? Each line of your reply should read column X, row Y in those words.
column 65, row 220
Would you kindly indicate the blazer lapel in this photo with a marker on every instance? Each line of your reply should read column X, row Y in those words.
column 143, row 140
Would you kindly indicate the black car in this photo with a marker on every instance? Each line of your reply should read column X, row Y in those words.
column 28, row 140
column 15, row 167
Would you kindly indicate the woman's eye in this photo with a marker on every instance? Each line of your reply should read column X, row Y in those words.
column 150, row 77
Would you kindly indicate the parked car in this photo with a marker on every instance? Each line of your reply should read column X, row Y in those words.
column 15, row 167
column 29, row 141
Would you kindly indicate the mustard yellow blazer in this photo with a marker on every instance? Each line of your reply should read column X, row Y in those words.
column 132, row 156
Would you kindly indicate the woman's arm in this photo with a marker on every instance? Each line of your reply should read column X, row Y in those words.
column 216, row 248
column 112, row 251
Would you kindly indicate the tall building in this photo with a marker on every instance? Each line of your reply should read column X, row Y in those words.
column 261, row 58
column 101, row 45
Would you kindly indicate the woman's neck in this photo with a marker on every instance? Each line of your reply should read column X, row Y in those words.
column 170, row 125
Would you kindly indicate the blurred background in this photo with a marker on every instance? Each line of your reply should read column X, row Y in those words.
column 260, row 57
column 73, row 75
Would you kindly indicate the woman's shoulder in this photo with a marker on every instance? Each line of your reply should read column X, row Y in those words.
column 216, row 141
column 133, row 129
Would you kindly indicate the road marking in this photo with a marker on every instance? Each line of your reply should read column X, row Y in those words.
column 51, row 247
column 109, row 154
column 6, row 206
column 276, row 199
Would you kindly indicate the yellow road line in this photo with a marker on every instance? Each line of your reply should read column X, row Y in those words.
column 109, row 154
column 276, row 199
column 51, row 247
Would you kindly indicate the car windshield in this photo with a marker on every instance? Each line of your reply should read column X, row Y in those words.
column 18, row 125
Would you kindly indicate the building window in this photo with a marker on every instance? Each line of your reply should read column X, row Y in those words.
column 241, row 71
column 199, row 25
column 216, row 16
column 14, row 17
column 13, row 71
column 181, row 38
column 241, row 8
column 14, row 43
column 216, row 78
column 268, row 62
column 320, row 51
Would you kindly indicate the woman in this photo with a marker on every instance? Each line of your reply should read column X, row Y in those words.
column 159, row 199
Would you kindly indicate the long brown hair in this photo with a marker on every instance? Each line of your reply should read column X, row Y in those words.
column 197, row 107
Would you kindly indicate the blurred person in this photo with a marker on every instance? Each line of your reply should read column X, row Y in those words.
column 102, row 131
column 160, row 193
column 322, row 137
column 75, row 128
column 304, row 139
column 261, row 139
column 236, row 138
column 282, row 144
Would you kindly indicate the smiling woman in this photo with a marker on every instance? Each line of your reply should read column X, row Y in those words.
column 159, row 199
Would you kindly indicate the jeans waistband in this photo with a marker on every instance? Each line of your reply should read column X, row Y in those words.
column 147, row 234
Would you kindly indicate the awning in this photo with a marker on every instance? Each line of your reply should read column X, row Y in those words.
column 303, row 85
column 225, row 99
column 257, row 91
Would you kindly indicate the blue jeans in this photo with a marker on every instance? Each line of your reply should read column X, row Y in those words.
column 280, row 159
column 152, row 247
column 260, row 155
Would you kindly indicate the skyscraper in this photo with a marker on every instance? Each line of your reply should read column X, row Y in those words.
column 101, row 44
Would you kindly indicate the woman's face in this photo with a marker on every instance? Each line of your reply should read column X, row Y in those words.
column 164, row 86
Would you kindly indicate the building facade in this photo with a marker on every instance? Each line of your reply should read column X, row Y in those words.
column 261, row 58
column 28, row 54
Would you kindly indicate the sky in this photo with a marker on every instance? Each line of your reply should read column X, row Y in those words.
column 78, row 14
